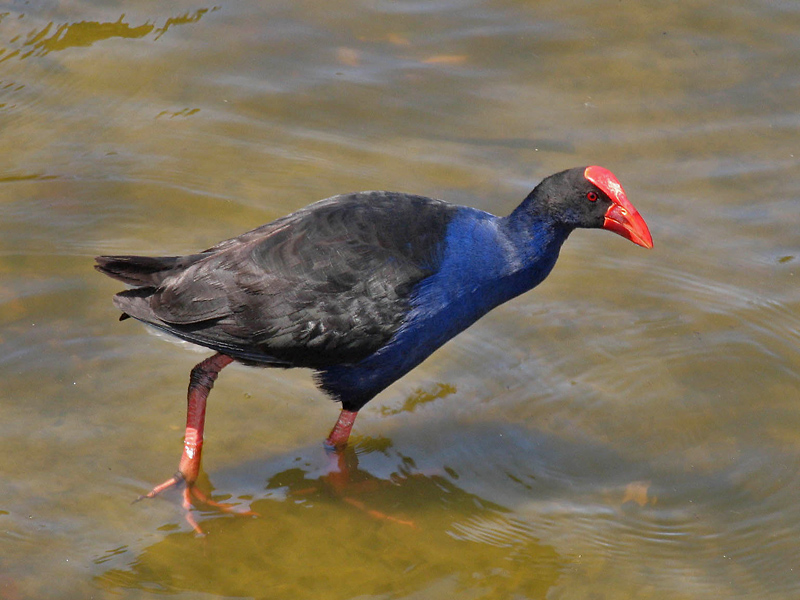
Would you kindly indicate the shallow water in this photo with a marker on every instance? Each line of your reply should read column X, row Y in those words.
column 631, row 429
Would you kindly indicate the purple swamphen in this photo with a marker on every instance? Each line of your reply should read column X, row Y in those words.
column 361, row 288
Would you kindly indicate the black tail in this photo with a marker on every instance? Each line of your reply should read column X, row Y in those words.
column 142, row 270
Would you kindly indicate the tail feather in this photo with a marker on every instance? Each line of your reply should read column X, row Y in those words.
column 136, row 270
column 143, row 270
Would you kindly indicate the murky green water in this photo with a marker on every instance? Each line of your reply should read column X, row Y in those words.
column 631, row 429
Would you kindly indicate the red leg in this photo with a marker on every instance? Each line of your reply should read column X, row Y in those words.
column 340, row 433
column 200, row 383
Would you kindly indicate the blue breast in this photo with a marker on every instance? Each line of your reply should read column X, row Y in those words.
column 487, row 260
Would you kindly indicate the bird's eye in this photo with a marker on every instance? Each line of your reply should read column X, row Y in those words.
column 591, row 196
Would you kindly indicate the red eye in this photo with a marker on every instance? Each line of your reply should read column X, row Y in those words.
column 591, row 196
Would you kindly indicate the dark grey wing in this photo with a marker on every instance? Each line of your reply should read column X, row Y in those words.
column 328, row 284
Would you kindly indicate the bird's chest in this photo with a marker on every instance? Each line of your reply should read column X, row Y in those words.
column 478, row 272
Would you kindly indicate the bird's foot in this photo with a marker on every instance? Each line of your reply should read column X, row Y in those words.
column 193, row 495
column 376, row 514
column 347, row 481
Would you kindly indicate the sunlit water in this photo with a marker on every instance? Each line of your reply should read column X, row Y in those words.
column 631, row 429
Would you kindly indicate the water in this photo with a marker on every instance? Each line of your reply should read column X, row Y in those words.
column 629, row 429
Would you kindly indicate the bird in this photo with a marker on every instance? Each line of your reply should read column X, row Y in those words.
column 360, row 288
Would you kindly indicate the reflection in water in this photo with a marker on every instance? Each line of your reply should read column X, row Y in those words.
column 420, row 397
column 183, row 20
column 52, row 38
column 422, row 532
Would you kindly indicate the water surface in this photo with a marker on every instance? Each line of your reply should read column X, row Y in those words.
column 629, row 429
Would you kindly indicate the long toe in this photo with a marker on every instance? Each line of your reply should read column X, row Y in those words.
column 173, row 481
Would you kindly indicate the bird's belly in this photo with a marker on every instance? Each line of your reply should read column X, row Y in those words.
column 423, row 332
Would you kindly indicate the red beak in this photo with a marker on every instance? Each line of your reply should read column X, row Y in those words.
column 621, row 217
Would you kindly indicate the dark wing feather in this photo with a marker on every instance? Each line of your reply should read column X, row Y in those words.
column 328, row 284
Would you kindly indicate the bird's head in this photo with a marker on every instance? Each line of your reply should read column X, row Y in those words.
column 592, row 197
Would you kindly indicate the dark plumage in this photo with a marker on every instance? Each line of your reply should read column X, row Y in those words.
column 362, row 287
column 325, row 285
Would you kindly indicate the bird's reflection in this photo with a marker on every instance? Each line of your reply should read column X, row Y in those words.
column 362, row 521
column 346, row 481
column 336, row 477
